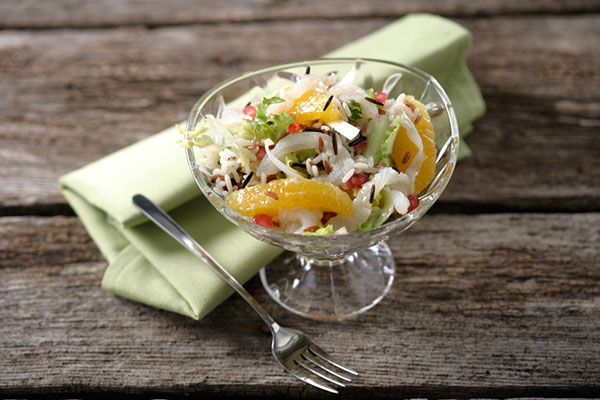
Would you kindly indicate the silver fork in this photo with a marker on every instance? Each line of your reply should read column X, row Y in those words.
column 295, row 351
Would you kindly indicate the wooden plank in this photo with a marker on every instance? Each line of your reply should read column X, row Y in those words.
column 70, row 97
column 19, row 14
column 487, row 306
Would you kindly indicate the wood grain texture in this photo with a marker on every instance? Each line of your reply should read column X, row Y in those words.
column 72, row 96
column 39, row 14
column 484, row 305
column 488, row 306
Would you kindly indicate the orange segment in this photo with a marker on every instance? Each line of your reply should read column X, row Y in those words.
column 404, row 150
column 309, row 107
column 280, row 194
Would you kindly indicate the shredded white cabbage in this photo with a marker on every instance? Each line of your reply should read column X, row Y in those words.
column 234, row 155
column 290, row 172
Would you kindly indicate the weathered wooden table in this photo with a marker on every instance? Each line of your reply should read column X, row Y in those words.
column 498, row 288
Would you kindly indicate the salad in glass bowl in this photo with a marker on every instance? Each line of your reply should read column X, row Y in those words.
column 326, row 158
column 319, row 156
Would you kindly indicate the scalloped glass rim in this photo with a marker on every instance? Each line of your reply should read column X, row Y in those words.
column 360, row 240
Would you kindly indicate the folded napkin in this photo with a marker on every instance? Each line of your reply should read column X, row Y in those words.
column 146, row 265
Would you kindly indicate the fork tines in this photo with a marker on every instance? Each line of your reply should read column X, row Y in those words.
column 316, row 367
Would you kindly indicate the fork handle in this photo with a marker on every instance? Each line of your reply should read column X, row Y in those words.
column 166, row 223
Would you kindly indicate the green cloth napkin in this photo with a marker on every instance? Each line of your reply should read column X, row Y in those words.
column 146, row 265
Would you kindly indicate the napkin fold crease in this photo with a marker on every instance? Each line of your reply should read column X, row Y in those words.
column 147, row 266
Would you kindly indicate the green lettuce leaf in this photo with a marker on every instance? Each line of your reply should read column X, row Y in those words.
column 386, row 208
column 355, row 111
column 385, row 149
column 270, row 127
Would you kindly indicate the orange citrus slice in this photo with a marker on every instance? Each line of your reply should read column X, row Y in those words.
column 309, row 107
column 404, row 150
column 280, row 194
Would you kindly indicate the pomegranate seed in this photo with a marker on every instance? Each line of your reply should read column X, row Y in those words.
column 358, row 180
column 313, row 228
column 250, row 111
column 381, row 96
column 272, row 195
column 294, row 127
column 263, row 220
column 261, row 152
column 361, row 146
column 413, row 202
column 327, row 215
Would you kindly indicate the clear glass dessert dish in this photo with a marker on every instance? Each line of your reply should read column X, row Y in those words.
column 335, row 276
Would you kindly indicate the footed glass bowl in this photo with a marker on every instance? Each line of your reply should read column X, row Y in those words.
column 333, row 277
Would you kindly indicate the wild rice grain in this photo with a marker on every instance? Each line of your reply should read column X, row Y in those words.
column 307, row 70
column 272, row 195
column 328, row 102
column 374, row 101
column 311, row 228
column 334, row 142
column 372, row 196
column 357, row 141
column 310, row 129
column 247, row 179
column 410, row 105
column 406, row 157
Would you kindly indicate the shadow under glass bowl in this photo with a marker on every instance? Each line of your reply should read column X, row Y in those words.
column 337, row 276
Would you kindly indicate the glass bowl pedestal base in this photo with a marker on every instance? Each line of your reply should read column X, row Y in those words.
column 330, row 289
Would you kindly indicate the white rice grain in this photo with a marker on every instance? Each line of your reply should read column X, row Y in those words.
column 228, row 183
column 348, row 175
column 315, row 170
column 307, row 164
column 346, row 109
column 361, row 166
column 235, row 175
